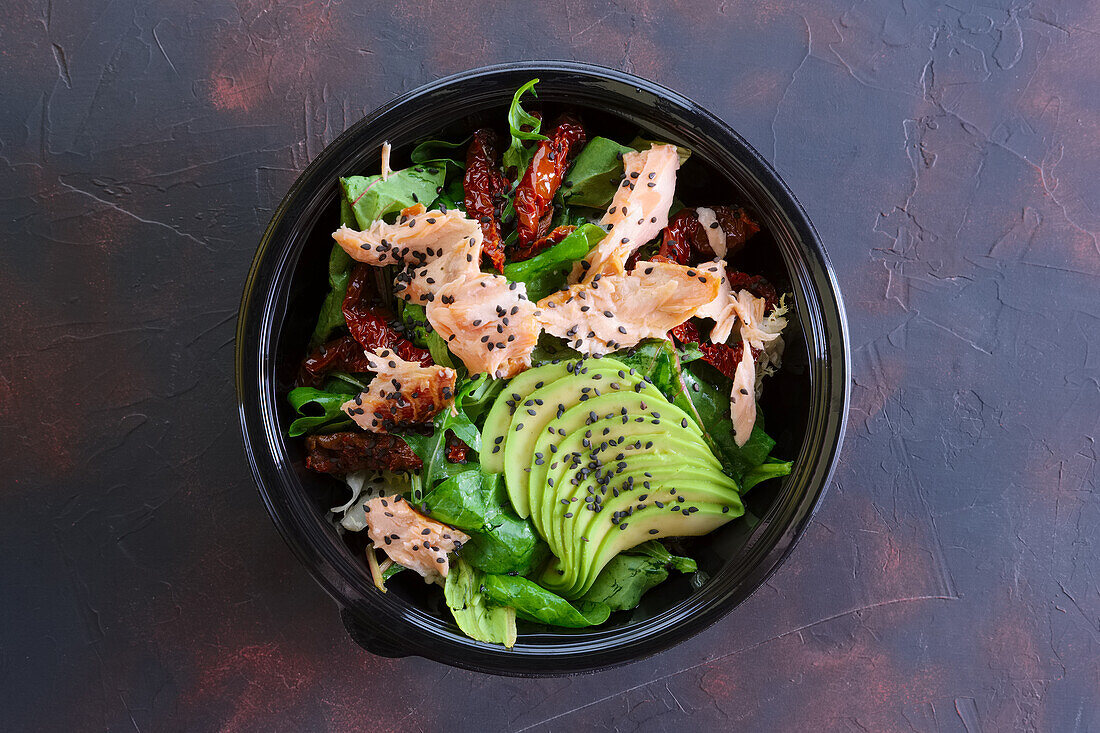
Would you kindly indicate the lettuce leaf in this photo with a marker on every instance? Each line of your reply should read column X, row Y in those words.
column 371, row 198
column 475, row 615
column 500, row 542
column 518, row 155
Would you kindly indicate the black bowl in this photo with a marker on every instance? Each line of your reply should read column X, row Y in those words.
column 806, row 403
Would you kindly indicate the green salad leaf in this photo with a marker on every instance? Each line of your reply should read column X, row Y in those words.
column 629, row 575
column 771, row 468
column 534, row 603
column 518, row 155
column 340, row 264
column 475, row 615
column 547, row 271
column 308, row 401
column 434, row 151
column 475, row 502
column 371, row 198
column 595, row 174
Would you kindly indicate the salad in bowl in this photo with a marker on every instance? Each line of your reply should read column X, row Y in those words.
column 537, row 368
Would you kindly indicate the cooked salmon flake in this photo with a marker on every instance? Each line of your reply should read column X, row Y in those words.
column 411, row 539
column 402, row 393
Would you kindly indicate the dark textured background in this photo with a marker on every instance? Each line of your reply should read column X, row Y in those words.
column 949, row 156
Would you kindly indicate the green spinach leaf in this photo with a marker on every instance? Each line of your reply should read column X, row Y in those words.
column 595, row 174
column 640, row 143
column 771, row 468
column 534, row 603
column 547, row 271
column 435, row 151
column 518, row 155
column 500, row 542
column 629, row 575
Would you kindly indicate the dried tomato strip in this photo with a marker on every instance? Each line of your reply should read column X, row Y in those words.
column 525, row 252
column 536, row 189
column 484, row 186
column 370, row 322
column 685, row 240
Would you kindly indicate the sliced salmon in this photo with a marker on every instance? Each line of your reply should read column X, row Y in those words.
column 487, row 322
column 402, row 393
column 612, row 312
column 413, row 239
column 411, row 539
column 638, row 212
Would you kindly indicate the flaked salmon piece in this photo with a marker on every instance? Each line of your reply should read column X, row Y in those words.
column 617, row 311
column 743, row 399
column 638, row 212
column 402, row 393
column 456, row 263
column 740, row 309
column 412, row 240
column 743, row 310
column 487, row 322
column 716, row 237
column 411, row 539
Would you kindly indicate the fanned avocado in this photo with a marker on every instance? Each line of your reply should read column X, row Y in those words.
column 610, row 541
column 496, row 422
column 627, row 408
column 609, row 448
column 587, row 379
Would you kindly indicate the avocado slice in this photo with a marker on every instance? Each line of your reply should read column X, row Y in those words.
column 643, row 445
column 611, row 540
column 665, row 479
column 494, row 432
column 587, row 380
column 606, row 407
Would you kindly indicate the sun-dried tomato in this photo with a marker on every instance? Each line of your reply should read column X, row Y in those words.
column 685, row 240
column 343, row 354
column 456, row 449
column 540, row 182
column 484, row 185
column 758, row 285
column 723, row 357
column 370, row 322
column 524, row 252
column 340, row 453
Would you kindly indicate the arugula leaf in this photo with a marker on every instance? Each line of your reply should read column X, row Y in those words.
column 534, row 603
column 771, row 468
column 331, row 417
column 547, row 271
column 640, row 143
column 475, row 615
column 416, row 322
column 517, row 155
column 340, row 264
column 371, row 198
column 475, row 502
column 629, row 575
column 478, row 395
column 595, row 174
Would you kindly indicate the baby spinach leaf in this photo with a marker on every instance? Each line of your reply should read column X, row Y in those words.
column 478, row 395
column 518, row 155
column 331, row 316
column 371, row 198
column 595, row 174
column 475, row 615
column 534, row 603
column 307, row 401
column 500, row 542
column 433, row 151
column 629, row 575
column 416, row 322
column 547, row 271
